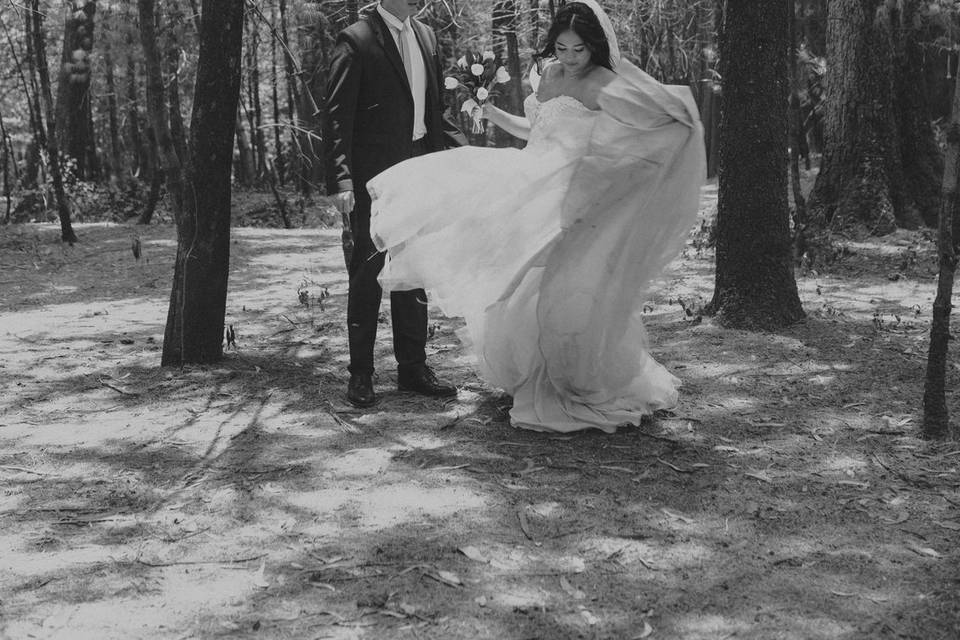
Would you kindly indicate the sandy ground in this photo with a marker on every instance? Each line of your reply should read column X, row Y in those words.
column 787, row 497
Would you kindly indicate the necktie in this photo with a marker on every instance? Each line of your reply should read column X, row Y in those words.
column 406, row 50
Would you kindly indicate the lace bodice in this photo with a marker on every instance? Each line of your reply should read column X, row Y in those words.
column 562, row 120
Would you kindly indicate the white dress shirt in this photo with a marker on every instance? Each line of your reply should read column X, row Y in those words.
column 418, row 88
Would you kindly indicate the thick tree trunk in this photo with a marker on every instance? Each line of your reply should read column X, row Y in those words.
column 506, row 47
column 755, row 285
column 936, row 415
column 879, row 167
column 74, row 114
column 53, row 152
column 195, row 321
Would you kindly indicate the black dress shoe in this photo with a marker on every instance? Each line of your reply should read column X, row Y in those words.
column 360, row 390
column 422, row 380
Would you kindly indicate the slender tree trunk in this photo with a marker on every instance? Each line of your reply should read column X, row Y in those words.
column 39, row 46
column 936, row 415
column 133, row 116
column 296, row 165
column 195, row 321
column 113, row 120
column 506, row 47
column 168, row 161
column 799, row 202
column 5, row 140
column 31, row 172
column 755, row 285
column 245, row 168
column 255, row 111
column 74, row 113
column 280, row 165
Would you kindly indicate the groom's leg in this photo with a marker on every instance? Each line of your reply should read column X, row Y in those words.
column 408, row 311
column 363, row 298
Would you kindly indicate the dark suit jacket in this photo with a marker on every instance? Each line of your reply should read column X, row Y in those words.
column 369, row 106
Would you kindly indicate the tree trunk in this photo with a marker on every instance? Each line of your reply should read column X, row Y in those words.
column 116, row 165
column 293, row 101
column 74, row 114
column 245, row 168
column 177, row 129
column 796, row 131
column 755, row 286
column 255, row 108
column 133, row 116
column 195, row 321
column 53, row 152
column 936, row 415
column 879, row 167
column 506, row 48
column 168, row 161
column 280, row 164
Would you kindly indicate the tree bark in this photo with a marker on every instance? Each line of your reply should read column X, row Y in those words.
column 195, row 320
column 879, row 167
column 936, row 415
column 755, row 285
column 168, row 159
column 53, row 152
column 74, row 113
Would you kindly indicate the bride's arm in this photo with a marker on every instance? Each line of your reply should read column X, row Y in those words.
column 514, row 125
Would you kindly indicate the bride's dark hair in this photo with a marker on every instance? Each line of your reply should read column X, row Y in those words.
column 579, row 18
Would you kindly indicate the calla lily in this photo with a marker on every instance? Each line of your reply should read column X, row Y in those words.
column 482, row 94
column 462, row 62
column 488, row 55
column 469, row 106
column 450, row 83
column 476, row 69
column 502, row 75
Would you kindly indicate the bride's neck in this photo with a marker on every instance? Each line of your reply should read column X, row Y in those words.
column 580, row 75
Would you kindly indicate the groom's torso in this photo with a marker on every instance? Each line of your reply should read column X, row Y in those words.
column 383, row 124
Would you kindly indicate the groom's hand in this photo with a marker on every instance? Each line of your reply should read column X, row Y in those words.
column 344, row 201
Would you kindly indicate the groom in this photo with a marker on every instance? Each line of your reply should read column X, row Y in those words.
column 383, row 107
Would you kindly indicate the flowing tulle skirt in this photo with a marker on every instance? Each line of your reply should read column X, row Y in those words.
column 546, row 252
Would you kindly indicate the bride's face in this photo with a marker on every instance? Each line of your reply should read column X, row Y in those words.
column 572, row 52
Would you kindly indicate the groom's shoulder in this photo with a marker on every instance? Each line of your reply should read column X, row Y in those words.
column 361, row 30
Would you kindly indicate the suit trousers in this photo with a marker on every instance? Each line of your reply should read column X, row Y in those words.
column 408, row 309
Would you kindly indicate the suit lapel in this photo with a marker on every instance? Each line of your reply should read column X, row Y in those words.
column 389, row 46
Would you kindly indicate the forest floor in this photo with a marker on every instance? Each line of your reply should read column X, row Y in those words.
column 788, row 496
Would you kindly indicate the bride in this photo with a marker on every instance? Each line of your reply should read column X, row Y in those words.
column 546, row 251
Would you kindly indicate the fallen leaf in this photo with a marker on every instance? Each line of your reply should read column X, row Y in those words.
column 953, row 526
column 447, row 577
column 614, row 468
column 758, row 475
column 572, row 591
column 925, row 551
column 473, row 553
column 588, row 617
column 677, row 516
column 645, row 633
column 259, row 579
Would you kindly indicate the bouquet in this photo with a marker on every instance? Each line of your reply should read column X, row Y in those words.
column 476, row 76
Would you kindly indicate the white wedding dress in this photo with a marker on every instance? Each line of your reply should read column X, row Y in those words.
column 546, row 251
